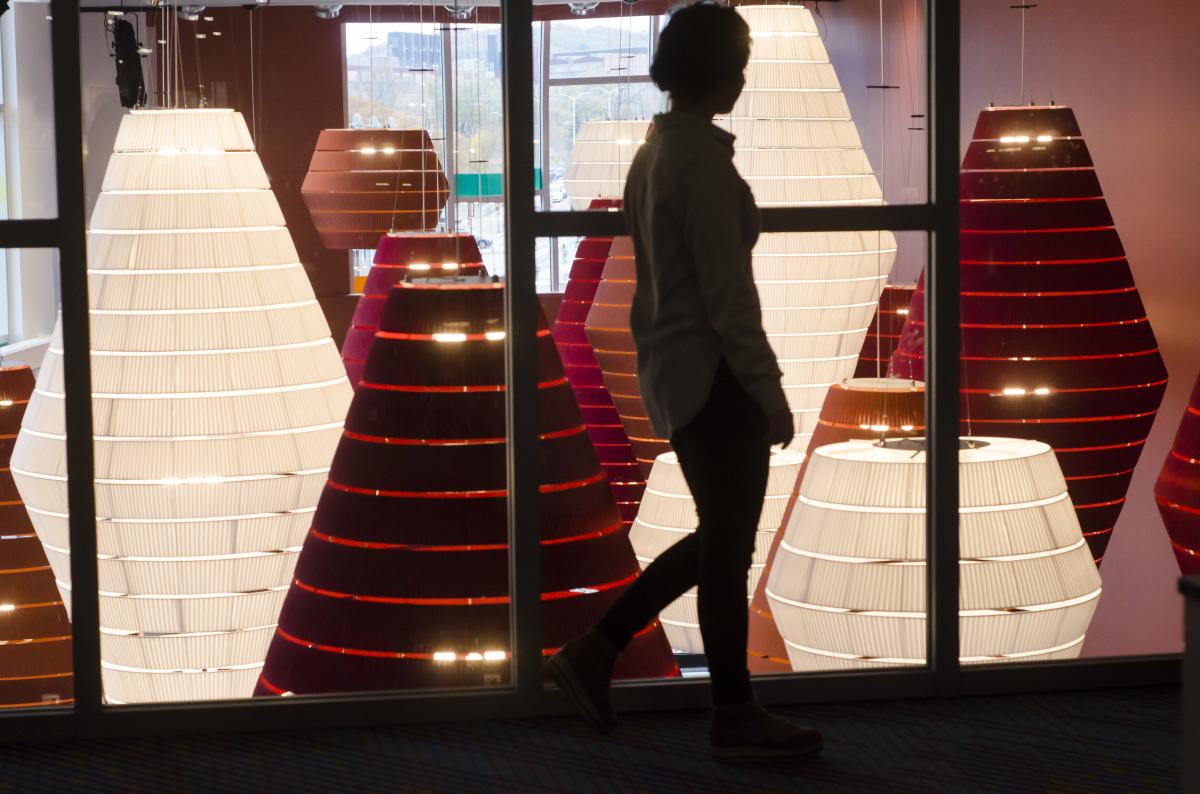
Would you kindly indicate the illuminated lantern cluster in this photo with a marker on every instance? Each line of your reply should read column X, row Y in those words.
column 218, row 400
column 362, row 183
column 883, row 336
column 847, row 588
column 400, row 256
column 859, row 408
column 403, row 580
column 600, row 417
column 1178, row 489
column 668, row 514
column 1056, row 345
column 35, row 636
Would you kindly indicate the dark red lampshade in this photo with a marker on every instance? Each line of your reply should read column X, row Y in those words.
column 403, row 580
column 35, row 635
column 600, row 416
column 857, row 408
column 884, row 333
column 1056, row 346
column 1178, row 488
column 396, row 256
column 608, row 330
column 363, row 183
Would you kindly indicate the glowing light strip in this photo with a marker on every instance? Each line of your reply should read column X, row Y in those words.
column 231, row 668
column 179, row 596
column 1033, row 555
column 844, row 508
column 420, row 547
column 184, row 480
column 366, row 384
column 456, row 442
column 196, row 520
column 178, row 634
column 210, row 437
column 477, row 494
column 920, row 662
column 218, row 310
column 344, row 651
column 206, row 394
column 323, row 342
column 463, row 601
column 965, row 613
column 243, row 555
column 174, row 271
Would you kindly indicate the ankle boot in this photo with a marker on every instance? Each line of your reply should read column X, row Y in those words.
column 582, row 668
column 747, row 731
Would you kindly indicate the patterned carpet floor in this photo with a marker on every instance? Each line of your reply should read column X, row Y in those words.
column 1108, row 741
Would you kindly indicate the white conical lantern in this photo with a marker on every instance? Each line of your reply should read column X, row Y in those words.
column 218, row 400
column 668, row 514
column 797, row 146
column 600, row 160
column 847, row 587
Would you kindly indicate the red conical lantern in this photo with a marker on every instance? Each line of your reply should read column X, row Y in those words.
column 363, row 183
column 403, row 580
column 884, row 334
column 396, row 257
column 35, row 635
column 600, row 415
column 1178, row 489
column 861, row 408
column 1056, row 346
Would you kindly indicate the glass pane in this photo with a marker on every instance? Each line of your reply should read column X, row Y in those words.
column 35, row 631
column 28, row 186
column 833, row 306
column 277, row 517
column 1072, row 304
column 610, row 47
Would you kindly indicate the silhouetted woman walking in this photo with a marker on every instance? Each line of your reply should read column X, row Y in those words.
column 709, row 381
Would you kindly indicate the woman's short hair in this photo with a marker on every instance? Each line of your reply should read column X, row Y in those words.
column 702, row 44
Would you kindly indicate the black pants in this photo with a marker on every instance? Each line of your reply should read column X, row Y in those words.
column 725, row 457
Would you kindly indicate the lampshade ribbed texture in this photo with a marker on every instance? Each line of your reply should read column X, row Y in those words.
column 600, row 160
column 859, row 408
column 1178, row 488
column 35, row 635
column 600, row 417
column 668, row 515
column 218, row 399
column 399, row 256
column 404, row 579
column 847, row 588
column 1056, row 345
column 796, row 146
column 362, row 183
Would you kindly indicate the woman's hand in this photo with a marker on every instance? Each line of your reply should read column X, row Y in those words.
column 781, row 428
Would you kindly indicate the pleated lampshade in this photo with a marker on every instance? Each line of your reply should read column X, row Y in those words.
column 875, row 358
column 398, row 256
column 1055, row 339
column 600, row 160
column 796, row 146
column 1178, row 488
column 362, row 183
column 600, row 416
column 668, row 514
column 35, row 635
column 859, row 408
column 218, row 399
column 403, row 580
column 847, row 588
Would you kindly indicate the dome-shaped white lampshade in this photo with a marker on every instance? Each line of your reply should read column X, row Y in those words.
column 218, row 400
column 600, row 160
column 668, row 514
column 847, row 587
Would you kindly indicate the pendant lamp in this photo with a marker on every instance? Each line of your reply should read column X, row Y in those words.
column 847, row 588
column 668, row 514
column 600, row 160
column 362, row 183
column 1178, row 488
column 35, row 635
column 1056, row 345
column 398, row 256
column 218, row 399
column 796, row 146
column 403, row 580
column 859, row 408
column 600, row 416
